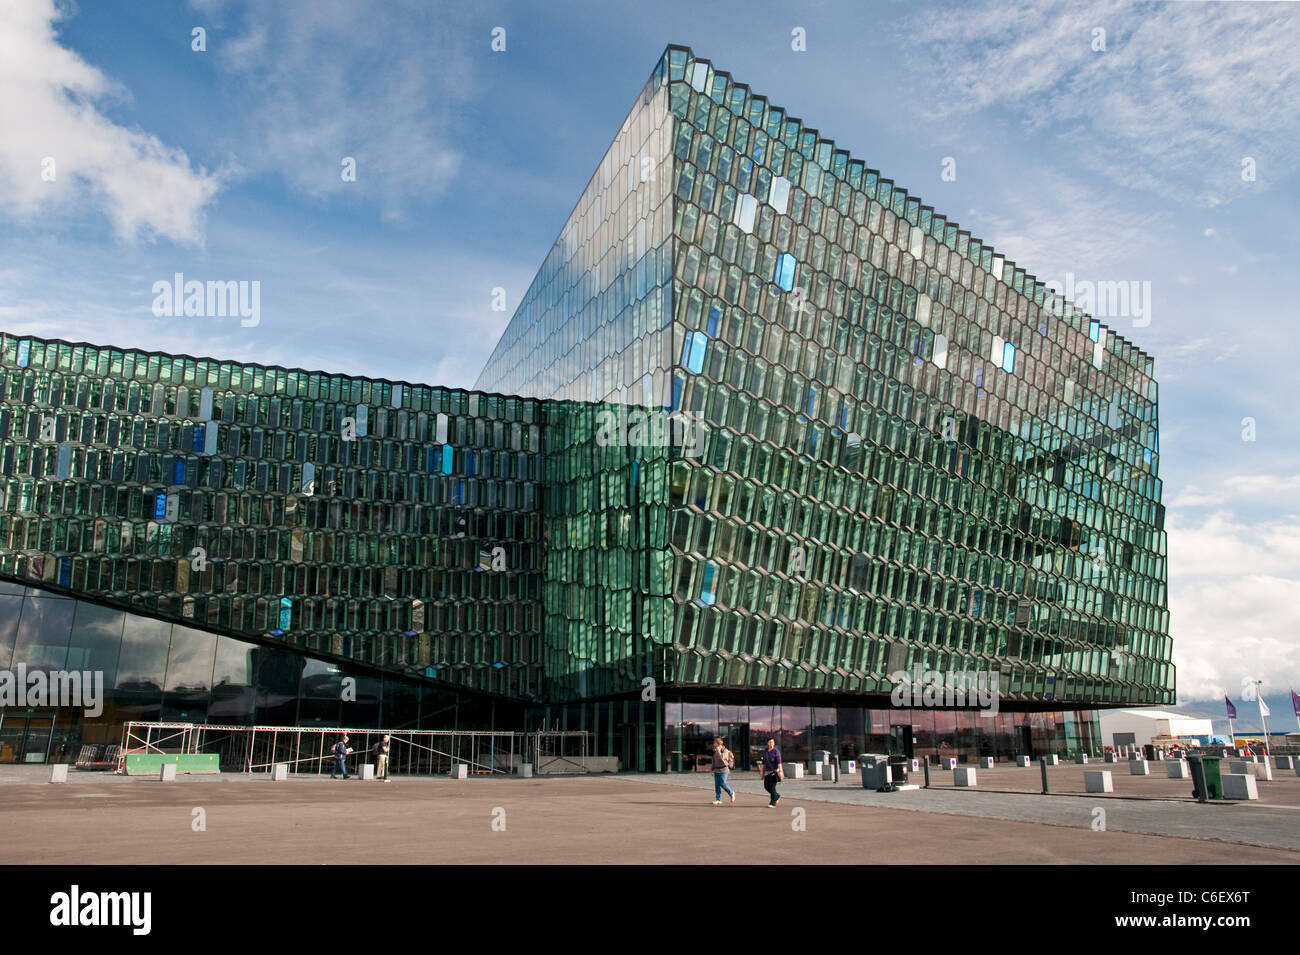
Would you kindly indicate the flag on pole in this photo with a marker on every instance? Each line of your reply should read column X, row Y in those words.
column 1295, row 703
column 1232, row 710
column 1263, row 707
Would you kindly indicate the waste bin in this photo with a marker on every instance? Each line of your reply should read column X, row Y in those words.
column 874, row 769
column 1211, row 772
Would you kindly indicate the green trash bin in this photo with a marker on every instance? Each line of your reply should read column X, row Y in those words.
column 1206, row 768
column 1213, row 780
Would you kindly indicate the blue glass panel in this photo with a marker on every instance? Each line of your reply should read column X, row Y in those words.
column 1008, row 357
column 1094, row 330
column 159, row 506
column 178, row 471
column 446, row 458
column 706, row 592
column 200, row 437
column 785, row 271
column 714, row 317
column 24, row 354
column 286, row 613
column 699, row 341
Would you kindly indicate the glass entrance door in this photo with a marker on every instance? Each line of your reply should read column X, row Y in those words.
column 900, row 741
column 25, row 738
column 736, row 738
column 1025, row 737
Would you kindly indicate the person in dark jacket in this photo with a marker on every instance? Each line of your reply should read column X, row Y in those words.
column 341, row 752
column 381, row 759
column 772, row 772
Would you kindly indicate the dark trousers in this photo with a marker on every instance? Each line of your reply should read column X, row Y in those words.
column 769, row 783
column 339, row 767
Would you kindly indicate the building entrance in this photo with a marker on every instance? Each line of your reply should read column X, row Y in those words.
column 25, row 738
column 736, row 738
column 900, row 741
column 1024, row 742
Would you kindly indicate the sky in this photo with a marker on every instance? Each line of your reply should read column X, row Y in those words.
column 1105, row 141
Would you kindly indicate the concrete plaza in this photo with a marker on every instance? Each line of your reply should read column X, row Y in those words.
column 633, row 819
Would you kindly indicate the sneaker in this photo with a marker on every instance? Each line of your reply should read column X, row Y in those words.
column 733, row 797
column 771, row 805
column 778, row 799
column 717, row 802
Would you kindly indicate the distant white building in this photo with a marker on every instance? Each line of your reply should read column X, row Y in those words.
column 1141, row 726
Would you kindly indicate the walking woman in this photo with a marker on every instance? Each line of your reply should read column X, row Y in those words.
column 723, row 763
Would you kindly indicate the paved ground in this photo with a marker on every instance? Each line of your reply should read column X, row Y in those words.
column 1275, row 824
column 1283, row 790
column 625, row 819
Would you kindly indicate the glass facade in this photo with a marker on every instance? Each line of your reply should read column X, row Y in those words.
column 155, row 670
column 915, row 455
column 909, row 454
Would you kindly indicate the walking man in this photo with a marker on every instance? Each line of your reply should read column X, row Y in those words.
column 772, row 772
column 341, row 752
column 723, row 763
column 380, row 750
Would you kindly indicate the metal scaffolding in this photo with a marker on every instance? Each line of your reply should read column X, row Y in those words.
column 306, row 749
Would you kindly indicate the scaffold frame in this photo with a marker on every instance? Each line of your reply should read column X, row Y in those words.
column 306, row 749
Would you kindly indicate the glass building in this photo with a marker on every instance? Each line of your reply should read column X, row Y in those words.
column 901, row 454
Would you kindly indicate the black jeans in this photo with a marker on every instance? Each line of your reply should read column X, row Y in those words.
column 769, row 783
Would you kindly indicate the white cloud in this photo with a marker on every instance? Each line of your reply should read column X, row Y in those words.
column 47, row 113
column 329, row 79
column 1181, row 95
column 1233, row 585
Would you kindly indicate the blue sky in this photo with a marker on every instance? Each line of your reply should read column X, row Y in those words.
column 1114, row 164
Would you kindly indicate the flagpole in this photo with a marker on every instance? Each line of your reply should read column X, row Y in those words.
column 1259, row 696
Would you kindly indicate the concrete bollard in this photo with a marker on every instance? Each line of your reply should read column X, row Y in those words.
column 1238, row 766
column 949, row 762
column 851, row 767
column 367, row 770
column 1024, row 761
column 963, row 776
column 459, row 771
column 59, row 773
column 1111, row 758
column 1053, row 760
column 986, row 762
column 1139, row 767
column 1239, row 786
column 1262, row 771
column 913, row 765
column 1081, row 759
column 828, row 772
column 279, row 772
column 794, row 770
column 1098, row 781
column 525, row 770
column 168, row 773
column 1284, row 762
column 1177, row 769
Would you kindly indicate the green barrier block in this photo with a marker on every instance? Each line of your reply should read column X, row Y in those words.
column 150, row 764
